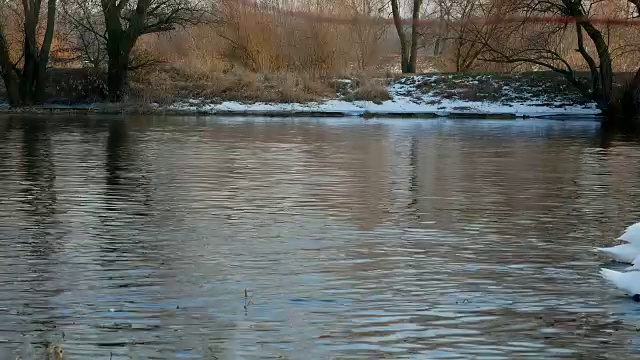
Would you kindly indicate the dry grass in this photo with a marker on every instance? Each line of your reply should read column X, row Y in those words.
column 369, row 90
column 251, row 55
column 260, row 42
column 168, row 84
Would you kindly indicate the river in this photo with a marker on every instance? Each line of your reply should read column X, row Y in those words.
column 230, row 238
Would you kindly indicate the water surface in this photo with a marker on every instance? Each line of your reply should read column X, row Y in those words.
column 137, row 237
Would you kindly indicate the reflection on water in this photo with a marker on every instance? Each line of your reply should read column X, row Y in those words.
column 136, row 238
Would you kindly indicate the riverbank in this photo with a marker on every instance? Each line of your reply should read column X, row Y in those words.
column 519, row 95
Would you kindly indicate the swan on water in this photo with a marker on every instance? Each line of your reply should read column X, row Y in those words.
column 631, row 234
column 635, row 265
column 629, row 282
column 625, row 253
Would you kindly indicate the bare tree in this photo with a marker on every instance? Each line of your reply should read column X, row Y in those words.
column 366, row 29
column 123, row 22
column 408, row 42
column 85, row 33
column 543, row 45
column 25, row 77
column 463, row 31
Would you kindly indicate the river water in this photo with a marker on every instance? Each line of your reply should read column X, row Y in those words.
column 231, row 238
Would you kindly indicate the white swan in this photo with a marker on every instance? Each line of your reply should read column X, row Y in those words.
column 631, row 234
column 635, row 264
column 628, row 252
column 629, row 282
column 624, row 253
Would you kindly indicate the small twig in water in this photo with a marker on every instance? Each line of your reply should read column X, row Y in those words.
column 247, row 301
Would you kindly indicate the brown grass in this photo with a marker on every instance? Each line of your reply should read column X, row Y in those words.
column 168, row 84
column 252, row 55
column 369, row 91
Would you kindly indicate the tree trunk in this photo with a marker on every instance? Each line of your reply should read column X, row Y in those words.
column 7, row 71
column 629, row 103
column 405, row 64
column 33, row 77
column 602, row 74
column 11, row 85
column 27, row 86
column 43, row 55
column 29, row 75
column 408, row 47
column 119, row 46
column 606, row 76
column 413, row 61
column 397, row 21
column 117, row 79
column 118, row 67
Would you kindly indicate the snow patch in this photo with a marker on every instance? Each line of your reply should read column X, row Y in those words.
column 407, row 98
column 399, row 105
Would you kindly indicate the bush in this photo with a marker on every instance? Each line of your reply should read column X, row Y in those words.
column 370, row 91
column 76, row 86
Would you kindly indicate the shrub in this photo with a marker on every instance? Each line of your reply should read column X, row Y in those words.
column 370, row 91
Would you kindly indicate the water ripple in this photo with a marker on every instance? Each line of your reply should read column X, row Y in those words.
column 136, row 238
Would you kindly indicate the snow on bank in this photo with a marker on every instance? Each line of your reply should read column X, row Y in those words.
column 406, row 100
column 415, row 96
column 397, row 106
